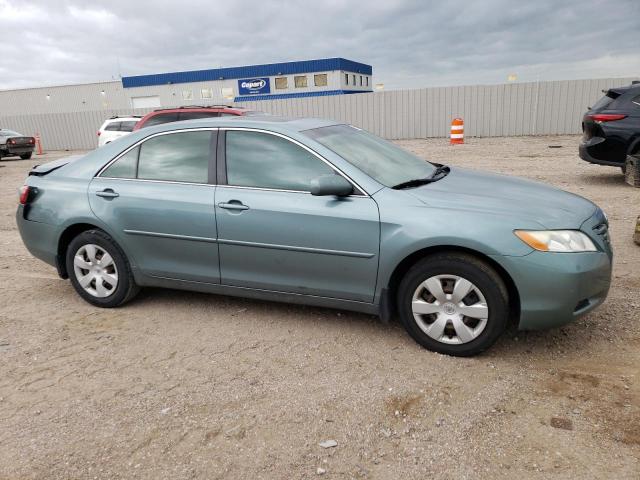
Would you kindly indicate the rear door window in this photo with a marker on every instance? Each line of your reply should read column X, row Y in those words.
column 177, row 157
column 161, row 118
column 113, row 127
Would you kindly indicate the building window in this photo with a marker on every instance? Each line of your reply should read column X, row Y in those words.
column 367, row 81
column 353, row 77
column 206, row 93
column 346, row 79
column 320, row 80
column 187, row 95
column 300, row 81
column 281, row 83
column 360, row 80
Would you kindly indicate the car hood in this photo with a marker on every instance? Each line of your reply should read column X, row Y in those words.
column 504, row 195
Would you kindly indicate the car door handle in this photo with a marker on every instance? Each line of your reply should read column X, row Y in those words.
column 107, row 193
column 233, row 205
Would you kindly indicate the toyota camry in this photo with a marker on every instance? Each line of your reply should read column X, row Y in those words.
column 321, row 213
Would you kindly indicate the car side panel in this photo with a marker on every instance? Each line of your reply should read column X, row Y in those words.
column 60, row 202
column 408, row 226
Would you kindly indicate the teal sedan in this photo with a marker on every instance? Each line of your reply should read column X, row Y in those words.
column 321, row 213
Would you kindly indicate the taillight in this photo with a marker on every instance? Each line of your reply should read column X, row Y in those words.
column 32, row 140
column 606, row 117
column 25, row 192
column 11, row 141
column 99, row 132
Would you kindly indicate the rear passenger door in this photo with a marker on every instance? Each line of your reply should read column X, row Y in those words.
column 158, row 197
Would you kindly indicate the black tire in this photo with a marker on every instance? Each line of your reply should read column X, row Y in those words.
column 126, row 287
column 474, row 270
column 26, row 156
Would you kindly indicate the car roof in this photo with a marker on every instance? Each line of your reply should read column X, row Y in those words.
column 120, row 117
column 123, row 117
column 635, row 86
column 198, row 108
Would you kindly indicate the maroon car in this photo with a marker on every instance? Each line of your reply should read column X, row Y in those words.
column 167, row 115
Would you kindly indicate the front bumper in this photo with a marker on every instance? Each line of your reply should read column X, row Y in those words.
column 556, row 288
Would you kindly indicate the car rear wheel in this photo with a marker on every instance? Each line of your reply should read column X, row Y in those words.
column 26, row 156
column 454, row 304
column 99, row 270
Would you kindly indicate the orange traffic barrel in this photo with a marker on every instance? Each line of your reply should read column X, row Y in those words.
column 38, row 144
column 457, row 131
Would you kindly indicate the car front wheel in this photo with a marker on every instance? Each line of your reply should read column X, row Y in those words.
column 99, row 270
column 453, row 303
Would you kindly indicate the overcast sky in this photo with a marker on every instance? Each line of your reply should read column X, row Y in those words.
column 409, row 43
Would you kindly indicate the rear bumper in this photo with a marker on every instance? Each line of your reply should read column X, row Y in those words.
column 16, row 149
column 41, row 239
column 557, row 288
column 587, row 150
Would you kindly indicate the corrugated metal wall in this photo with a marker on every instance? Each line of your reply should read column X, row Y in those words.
column 488, row 111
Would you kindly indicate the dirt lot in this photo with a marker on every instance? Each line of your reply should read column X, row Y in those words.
column 183, row 385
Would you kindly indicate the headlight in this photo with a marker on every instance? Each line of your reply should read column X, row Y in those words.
column 557, row 240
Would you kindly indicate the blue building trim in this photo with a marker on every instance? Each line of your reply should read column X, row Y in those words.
column 251, row 71
column 279, row 96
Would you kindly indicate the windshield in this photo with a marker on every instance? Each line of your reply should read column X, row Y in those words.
column 385, row 162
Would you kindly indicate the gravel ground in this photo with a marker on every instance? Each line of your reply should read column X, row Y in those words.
column 184, row 385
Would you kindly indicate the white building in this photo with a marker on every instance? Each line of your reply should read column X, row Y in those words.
column 307, row 78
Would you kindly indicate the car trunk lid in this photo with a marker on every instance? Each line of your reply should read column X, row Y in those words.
column 46, row 168
column 20, row 141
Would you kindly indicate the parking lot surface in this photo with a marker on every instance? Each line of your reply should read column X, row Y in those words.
column 185, row 385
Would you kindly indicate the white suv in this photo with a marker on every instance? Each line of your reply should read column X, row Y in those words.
column 116, row 127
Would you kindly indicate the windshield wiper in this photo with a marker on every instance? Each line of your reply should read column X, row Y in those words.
column 439, row 173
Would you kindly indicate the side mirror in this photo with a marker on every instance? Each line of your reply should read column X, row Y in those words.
column 331, row 185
